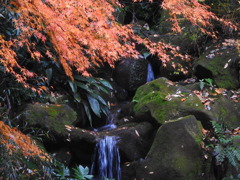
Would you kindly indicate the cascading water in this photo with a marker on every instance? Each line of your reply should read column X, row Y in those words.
column 107, row 159
column 150, row 74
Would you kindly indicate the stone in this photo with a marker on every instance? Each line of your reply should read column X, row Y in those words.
column 51, row 118
column 220, row 62
column 134, row 141
column 131, row 73
column 175, row 153
column 163, row 101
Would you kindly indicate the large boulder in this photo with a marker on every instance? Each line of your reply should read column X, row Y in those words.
column 51, row 118
column 226, row 111
column 220, row 61
column 131, row 73
column 134, row 141
column 175, row 153
column 165, row 101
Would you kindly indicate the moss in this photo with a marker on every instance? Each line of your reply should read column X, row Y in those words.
column 152, row 97
column 182, row 163
column 223, row 77
column 50, row 117
column 53, row 111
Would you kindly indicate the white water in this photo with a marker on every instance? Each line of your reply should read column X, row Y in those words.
column 150, row 74
column 106, row 159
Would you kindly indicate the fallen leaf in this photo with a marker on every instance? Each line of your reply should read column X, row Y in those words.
column 137, row 132
column 170, row 83
column 226, row 65
column 219, row 90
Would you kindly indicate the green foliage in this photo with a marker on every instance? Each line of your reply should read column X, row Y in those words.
column 63, row 173
column 88, row 91
column 82, row 173
column 207, row 81
column 225, row 149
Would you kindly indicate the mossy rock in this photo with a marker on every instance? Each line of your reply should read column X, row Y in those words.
column 175, row 153
column 165, row 102
column 221, row 63
column 227, row 112
column 52, row 118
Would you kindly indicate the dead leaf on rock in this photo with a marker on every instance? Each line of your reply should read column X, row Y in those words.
column 183, row 99
column 137, row 132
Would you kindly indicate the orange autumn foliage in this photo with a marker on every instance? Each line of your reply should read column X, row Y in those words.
column 84, row 34
column 16, row 142
column 195, row 12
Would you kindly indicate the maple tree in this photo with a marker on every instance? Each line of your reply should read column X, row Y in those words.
column 85, row 34
column 80, row 35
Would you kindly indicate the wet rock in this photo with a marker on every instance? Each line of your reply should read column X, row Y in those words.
column 131, row 73
column 134, row 141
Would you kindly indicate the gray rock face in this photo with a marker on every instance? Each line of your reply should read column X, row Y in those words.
column 131, row 73
column 174, row 154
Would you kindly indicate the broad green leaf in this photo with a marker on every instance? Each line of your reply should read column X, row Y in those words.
column 86, row 108
column 73, row 86
column 102, row 100
column 90, row 80
column 103, row 89
column 77, row 97
column 105, row 83
column 105, row 110
column 95, row 106
column 84, row 86
column 209, row 80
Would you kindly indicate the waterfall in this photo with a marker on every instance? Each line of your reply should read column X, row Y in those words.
column 107, row 159
column 150, row 74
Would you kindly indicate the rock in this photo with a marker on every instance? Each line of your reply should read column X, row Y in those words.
column 63, row 155
column 134, row 141
column 82, row 144
column 131, row 73
column 226, row 111
column 220, row 62
column 49, row 118
column 162, row 101
column 174, row 154
column 165, row 101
